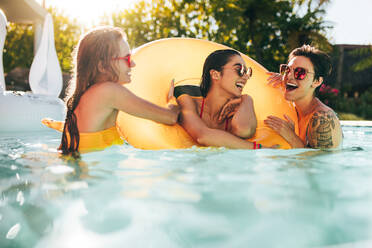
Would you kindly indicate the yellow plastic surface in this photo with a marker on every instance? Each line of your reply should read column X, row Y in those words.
column 158, row 62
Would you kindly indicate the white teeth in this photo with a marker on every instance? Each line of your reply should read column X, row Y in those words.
column 240, row 85
column 293, row 85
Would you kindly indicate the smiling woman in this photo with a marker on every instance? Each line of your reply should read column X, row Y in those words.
column 102, row 65
column 182, row 59
column 318, row 124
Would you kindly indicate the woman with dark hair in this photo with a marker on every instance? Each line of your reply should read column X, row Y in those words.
column 224, row 77
column 102, row 63
column 318, row 124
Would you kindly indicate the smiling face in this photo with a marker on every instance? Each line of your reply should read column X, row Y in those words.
column 231, row 78
column 121, row 63
column 297, row 89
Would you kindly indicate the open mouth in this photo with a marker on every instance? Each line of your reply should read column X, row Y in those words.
column 290, row 86
column 240, row 86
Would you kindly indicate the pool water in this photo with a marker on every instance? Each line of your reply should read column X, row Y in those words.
column 215, row 197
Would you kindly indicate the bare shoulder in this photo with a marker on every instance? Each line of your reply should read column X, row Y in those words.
column 187, row 102
column 324, row 129
column 102, row 89
column 108, row 87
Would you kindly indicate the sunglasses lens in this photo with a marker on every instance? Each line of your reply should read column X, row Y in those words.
column 299, row 73
column 240, row 70
column 249, row 72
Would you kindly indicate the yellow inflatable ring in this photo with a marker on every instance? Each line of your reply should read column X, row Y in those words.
column 158, row 62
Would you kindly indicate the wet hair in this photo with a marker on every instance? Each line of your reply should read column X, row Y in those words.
column 215, row 61
column 93, row 53
column 320, row 60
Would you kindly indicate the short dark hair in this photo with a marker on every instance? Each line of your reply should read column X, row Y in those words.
column 215, row 61
column 320, row 60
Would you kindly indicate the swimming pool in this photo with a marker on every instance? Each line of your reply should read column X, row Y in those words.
column 125, row 197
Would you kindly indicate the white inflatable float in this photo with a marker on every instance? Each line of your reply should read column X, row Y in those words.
column 23, row 111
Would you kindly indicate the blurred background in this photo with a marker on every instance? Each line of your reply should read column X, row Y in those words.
column 266, row 30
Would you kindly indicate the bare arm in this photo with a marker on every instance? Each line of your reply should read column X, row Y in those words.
column 244, row 122
column 202, row 134
column 324, row 130
column 124, row 100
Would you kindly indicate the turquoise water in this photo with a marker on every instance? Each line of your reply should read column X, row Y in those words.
column 125, row 197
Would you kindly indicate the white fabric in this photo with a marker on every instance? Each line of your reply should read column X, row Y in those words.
column 3, row 23
column 45, row 72
column 23, row 111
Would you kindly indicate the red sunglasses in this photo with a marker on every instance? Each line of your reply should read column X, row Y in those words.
column 126, row 59
column 299, row 73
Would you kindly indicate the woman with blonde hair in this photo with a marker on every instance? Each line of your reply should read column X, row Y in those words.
column 102, row 64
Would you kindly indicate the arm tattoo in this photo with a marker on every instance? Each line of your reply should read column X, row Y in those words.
column 320, row 128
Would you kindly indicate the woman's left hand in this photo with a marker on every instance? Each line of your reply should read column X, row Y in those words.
column 229, row 109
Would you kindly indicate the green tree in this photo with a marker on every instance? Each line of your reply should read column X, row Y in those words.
column 264, row 29
column 365, row 53
column 18, row 47
column 66, row 35
column 19, row 43
column 150, row 21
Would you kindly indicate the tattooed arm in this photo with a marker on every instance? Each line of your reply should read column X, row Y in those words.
column 324, row 130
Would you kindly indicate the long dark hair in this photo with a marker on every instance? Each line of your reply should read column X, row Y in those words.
column 215, row 61
column 94, row 51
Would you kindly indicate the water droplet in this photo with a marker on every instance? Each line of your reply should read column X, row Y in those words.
column 20, row 198
column 60, row 169
column 13, row 231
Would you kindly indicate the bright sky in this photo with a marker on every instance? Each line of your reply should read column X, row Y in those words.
column 352, row 19
column 88, row 12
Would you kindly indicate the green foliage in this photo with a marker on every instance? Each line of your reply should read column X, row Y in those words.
column 349, row 117
column 359, row 106
column 66, row 36
column 18, row 47
column 366, row 62
column 150, row 21
column 266, row 30
column 19, row 43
